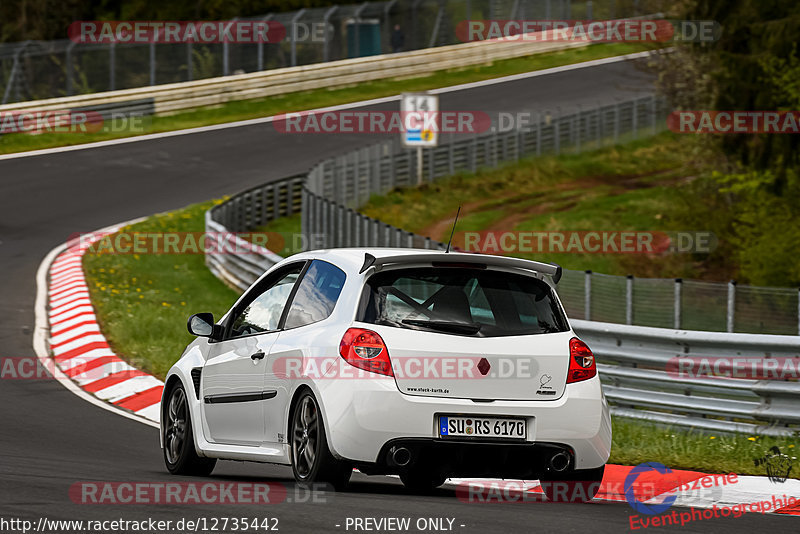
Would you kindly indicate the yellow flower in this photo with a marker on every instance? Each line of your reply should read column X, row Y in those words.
column 712, row 437
column 751, row 438
column 791, row 446
column 165, row 304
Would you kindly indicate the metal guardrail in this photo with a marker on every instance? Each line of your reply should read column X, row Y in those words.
column 632, row 360
column 246, row 211
column 633, row 367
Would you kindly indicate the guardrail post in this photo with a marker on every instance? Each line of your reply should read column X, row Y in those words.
column 339, row 226
column 547, row 14
column 189, row 62
column 226, row 54
column 678, row 289
column 304, row 219
column 653, row 113
column 260, row 50
column 539, row 134
column 153, row 62
column 294, row 36
column 427, row 243
column 70, row 69
column 112, row 66
column 376, row 233
column 587, row 297
column 356, row 177
column 616, row 122
column 431, row 166
column 589, row 10
column 629, row 299
column 731, row 304
column 557, row 134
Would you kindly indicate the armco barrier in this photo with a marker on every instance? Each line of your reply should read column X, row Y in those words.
column 634, row 362
column 632, row 359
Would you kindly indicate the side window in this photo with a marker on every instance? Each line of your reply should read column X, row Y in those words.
column 264, row 312
column 316, row 295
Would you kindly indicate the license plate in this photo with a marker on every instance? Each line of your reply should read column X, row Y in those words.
column 482, row 427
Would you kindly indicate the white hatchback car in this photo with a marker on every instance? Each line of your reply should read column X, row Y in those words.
column 420, row 363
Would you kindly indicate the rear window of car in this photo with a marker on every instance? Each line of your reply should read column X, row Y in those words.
column 462, row 301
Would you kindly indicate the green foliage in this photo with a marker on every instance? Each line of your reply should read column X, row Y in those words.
column 143, row 300
column 752, row 201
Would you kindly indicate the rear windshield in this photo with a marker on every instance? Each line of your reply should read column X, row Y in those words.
column 462, row 301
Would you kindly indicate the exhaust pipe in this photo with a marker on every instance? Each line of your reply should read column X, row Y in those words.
column 559, row 462
column 400, row 456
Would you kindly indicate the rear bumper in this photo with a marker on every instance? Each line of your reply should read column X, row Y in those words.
column 364, row 419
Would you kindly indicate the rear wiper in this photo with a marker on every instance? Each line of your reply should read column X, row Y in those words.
column 445, row 326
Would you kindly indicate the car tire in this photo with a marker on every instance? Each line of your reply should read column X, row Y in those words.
column 577, row 486
column 421, row 480
column 180, row 455
column 312, row 461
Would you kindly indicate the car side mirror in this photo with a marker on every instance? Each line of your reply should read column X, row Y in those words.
column 202, row 325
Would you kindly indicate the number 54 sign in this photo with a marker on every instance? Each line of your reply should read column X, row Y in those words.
column 420, row 116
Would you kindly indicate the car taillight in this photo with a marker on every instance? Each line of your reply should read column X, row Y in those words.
column 366, row 350
column 581, row 361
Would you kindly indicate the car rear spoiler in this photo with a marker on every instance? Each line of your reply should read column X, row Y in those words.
column 456, row 257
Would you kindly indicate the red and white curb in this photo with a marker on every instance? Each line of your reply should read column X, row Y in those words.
column 70, row 344
column 79, row 352
column 692, row 489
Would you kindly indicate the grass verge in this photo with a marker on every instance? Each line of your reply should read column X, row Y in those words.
column 265, row 107
column 143, row 300
column 635, row 442
column 634, row 186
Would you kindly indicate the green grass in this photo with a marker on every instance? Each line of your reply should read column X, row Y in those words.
column 628, row 187
column 264, row 107
column 143, row 300
column 635, row 442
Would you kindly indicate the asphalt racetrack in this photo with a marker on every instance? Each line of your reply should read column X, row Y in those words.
column 50, row 439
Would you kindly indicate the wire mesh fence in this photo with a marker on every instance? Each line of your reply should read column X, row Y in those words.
column 34, row 70
column 329, row 196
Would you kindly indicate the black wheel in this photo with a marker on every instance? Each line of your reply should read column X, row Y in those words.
column 577, row 486
column 421, row 480
column 312, row 461
column 179, row 452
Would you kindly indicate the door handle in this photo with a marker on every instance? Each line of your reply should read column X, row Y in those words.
column 257, row 356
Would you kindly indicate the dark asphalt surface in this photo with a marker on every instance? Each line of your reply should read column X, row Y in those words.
column 51, row 439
